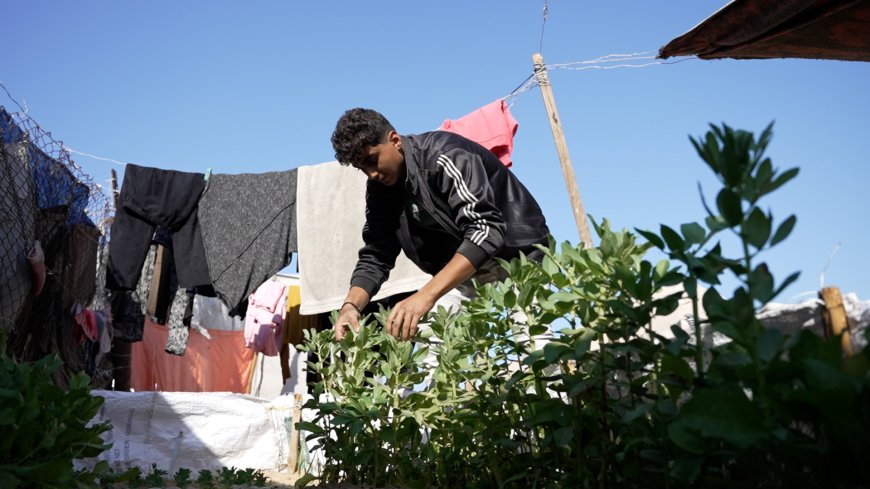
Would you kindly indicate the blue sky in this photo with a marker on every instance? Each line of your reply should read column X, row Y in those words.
column 257, row 86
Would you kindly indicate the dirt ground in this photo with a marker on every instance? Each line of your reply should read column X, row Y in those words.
column 280, row 480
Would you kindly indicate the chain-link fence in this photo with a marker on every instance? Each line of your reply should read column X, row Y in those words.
column 53, row 226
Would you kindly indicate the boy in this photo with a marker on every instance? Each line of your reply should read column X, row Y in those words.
column 447, row 202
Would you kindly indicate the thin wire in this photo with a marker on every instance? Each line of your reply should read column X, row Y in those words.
column 611, row 67
column 531, row 81
column 94, row 156
column 617, row 58
column 825, row 268
column 543, row 24
column 523, row 87
column 12, row 98
column 520, row 86
column 527, row 84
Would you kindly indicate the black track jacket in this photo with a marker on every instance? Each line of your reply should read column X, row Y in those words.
column 484, row 209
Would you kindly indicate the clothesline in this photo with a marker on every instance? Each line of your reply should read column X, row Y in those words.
column 600, row 63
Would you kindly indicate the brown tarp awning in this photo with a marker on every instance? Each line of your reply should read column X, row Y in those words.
column 814, row 29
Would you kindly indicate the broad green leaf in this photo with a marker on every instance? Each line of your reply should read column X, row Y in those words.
column 756, row 230
column 768, row 344
column 8, row 480
column 637, row 412
column 309, row 427
column 339, row 420
column 652, row 238
column 782, row 179
column 582, row 342
column 693, row 232
column 783, row 230
column 563, row 296
column 715, row 223
column 687, row 468
column 563, row 436
column 661, row 269
column 305, row 480
column 720, row 414
column 727, row 328
column 715, row 306
column 674, row 241
column 554, row 350
column 520, row 475
column 559, row 280
column 703, row 152
column 678, row 367
column 729, row 207
column 765, row 172
column 549, row 265
column 788, row 281
column 761, row 282
column 386, row 369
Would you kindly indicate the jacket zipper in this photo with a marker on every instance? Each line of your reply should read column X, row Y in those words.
column 451, row 228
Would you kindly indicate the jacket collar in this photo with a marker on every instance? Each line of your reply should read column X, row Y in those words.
column 412, row 167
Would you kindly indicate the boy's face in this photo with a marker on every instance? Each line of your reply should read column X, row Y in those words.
column 383, row 162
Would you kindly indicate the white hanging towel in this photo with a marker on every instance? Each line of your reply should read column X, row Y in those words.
column 330, row 214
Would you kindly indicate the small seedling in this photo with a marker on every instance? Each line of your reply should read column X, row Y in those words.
column 182, row 477
column 259, row 479
column 137, row 480
column 205, row 479
column 155, row 478
column 227, row 476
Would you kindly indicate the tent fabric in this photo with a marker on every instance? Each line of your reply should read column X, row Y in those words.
column 813, row 29
column 219, row 364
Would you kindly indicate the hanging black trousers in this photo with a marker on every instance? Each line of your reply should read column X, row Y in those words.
column 149, row 198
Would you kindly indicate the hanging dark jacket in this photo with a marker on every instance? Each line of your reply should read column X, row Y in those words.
column 483, row 209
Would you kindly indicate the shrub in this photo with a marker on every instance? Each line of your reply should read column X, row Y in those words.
column 610, row 402
column 44, row 428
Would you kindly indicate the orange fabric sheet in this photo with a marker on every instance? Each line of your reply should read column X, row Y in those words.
column 219, row 364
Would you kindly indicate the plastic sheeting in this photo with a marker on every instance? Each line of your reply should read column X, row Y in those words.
column 196, row 431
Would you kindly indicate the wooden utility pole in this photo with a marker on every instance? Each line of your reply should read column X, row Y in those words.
column 834, row 316
column 562, row 149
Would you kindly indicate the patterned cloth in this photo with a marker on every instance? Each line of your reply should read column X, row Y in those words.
column 129, row 306
column 179, row 332
column 248, row 225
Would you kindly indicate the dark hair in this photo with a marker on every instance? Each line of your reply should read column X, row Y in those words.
column 355, row 130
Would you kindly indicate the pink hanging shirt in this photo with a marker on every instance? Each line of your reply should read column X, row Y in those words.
column 492, row 126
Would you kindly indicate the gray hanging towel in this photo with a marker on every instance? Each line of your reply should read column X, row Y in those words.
column 248, row 225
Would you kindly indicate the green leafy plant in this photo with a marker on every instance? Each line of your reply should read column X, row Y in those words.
column 250, row 477
column 205, row 479
column 132, row 477
column 136, row 481
column 612, row 401
column 259, row 479
column 156, row 478
column 182, row 477
column 44, row 428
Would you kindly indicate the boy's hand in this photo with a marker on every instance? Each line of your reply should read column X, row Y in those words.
column 348, row 317
column 404, row 317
